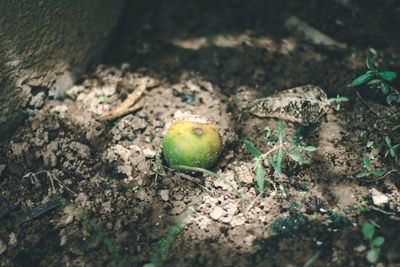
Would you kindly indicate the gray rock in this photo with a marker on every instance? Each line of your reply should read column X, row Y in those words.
column 38, row 100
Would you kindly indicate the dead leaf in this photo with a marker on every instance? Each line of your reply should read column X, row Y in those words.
column 304, row 105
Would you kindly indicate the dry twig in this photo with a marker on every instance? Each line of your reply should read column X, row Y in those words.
column 128, row 105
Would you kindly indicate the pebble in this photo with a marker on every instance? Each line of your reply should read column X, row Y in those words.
column 149, row 153
column 3, row 247
column 378, row 197
column 164, row 194
column 238, row 220
column 217, row 213
column 38, row 100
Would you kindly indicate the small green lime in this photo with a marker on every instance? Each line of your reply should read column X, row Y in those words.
column 192, row 141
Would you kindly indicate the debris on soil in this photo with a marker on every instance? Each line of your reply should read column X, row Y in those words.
column 312, row 35
column 304, row 105
column 115, row 172
column 38, row 211
column 378, row 198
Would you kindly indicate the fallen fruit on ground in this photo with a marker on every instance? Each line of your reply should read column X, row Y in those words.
column 192, row 141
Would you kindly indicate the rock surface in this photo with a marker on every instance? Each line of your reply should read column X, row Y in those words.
column 40, row 41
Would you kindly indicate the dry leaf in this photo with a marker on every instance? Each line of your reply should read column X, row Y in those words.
column 304, row 105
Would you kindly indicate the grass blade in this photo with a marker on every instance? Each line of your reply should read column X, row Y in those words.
column 196, row 169
column 260, row 175
column 167, row 242
column 280, row 132
column 253, row 150
column 101, row 235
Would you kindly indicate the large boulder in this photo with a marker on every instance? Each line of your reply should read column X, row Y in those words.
column 45, row 41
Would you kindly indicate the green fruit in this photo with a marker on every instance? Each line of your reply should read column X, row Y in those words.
column 192, row 141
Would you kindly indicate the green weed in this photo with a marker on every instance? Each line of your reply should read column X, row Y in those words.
column 337, row 220
column 392, row 149
column 287, row 227
column 119, row 261
column 167, row 242
column 379, row 80
column 275, row 160
column 375, row 243
column 370, row 171
column 100, row 99
column 338, row 100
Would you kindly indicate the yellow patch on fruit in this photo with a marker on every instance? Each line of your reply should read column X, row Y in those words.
column 192, row 141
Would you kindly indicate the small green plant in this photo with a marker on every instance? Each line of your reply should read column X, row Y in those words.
column 286, row 227
column 100, row 99
column 367, row 165
column 172, row 235
column 370, row 144
column 275, row 160
column 118, row 260
column 379, row 80
column 134, row 188
column 158, row 168
column 359, row 205
column 375, row 243
column 392, row 149
column 338, row 100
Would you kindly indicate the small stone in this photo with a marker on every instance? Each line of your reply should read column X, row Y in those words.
column 12, row 239
column 238, row 220
column 38, row 100
column 149, row 153
column 109, row 226
column 245, row 173
column 3, row 247
column 378, row 197
column 164, row 194
column 61, row 110
column 217, row 213
column 76, row 251
column 141, row 195
column 179, row 207
column 178, row 196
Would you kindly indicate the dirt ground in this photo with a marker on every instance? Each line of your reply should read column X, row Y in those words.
column 202, row 56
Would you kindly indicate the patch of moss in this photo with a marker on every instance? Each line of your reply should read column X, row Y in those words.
column 287, row 227
column 338, row 221
column 295, row 206
column 304, row 187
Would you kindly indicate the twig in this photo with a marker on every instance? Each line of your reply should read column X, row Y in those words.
column 58, row 180
column 39, row 210
column 194, row 181
column 365, row 103
column 381, row 210
column 392, row 214
column 379, row 178
column 253, row 202
column 126, row 106
column 51, row 177
column 395, row 90
column 196, row 169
